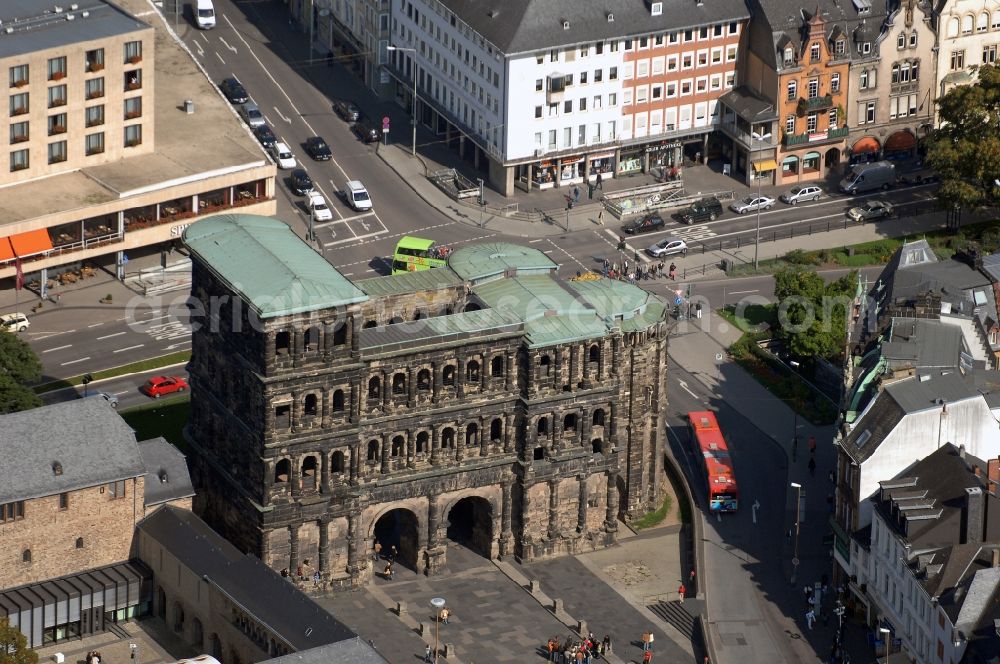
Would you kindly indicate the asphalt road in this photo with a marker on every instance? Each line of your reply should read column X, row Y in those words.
column 126, row 388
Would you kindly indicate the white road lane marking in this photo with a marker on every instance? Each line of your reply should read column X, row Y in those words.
column 82, row 359
column 122, row 350
column 50, row 350
column 108, row 336
column 354, row 239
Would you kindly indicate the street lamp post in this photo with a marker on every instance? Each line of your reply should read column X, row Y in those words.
column 761, row 138
column 438, row 604
column 885, row 638
column 413, row 100
column 795, row 554
column 838, row 611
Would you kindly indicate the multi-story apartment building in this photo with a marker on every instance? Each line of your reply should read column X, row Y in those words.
column 75, row 484
column 543, row 94
column 355, row 32
column 892, row 88
column 968, row 37
column 100, row 159
column 486, row 401
column 930, row 562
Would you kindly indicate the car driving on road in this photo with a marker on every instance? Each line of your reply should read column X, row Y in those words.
column 318, row 207
column 157, row 386
column 283, row 155
column 14, row 322
column 707, row 209
column 667, row 247
column 801, row 194
column 647, row 224
column 300, row 182
column 110, row 398
column 265, row 135
column 234, row 91
column 752, row 204
column 251, row 114
column 317, row 148
column 347, row 110
column 366, row 129
column 870, row 211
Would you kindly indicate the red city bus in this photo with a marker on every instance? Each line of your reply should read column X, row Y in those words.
column 720, row 476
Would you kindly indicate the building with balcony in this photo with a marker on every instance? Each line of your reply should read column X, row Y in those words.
column 486, row 402
column 116, row 140
column 589, row 90
column 892, row 87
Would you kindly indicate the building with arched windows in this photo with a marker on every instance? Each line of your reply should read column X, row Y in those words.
column 487, row 402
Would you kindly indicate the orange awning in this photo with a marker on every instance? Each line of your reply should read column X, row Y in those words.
column 6, row 252
column 31, row 243
column 866, row 144
column 901, row 140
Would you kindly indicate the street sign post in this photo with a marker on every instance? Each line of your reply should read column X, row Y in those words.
column 385, row 129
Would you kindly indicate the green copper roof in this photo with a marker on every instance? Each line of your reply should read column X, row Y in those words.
column 264, row 261
column 410, row 282
column 652, row 314
column 611, row 298
column 527, row 298
column 476, row 262
column 551, row 330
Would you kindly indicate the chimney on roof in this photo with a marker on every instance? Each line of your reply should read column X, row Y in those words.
column 961, row 452
column 975, row 504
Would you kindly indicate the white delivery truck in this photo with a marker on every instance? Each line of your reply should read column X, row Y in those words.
column 204, row 14
column 869, row 177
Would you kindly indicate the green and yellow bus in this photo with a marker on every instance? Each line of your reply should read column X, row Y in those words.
column 415, row 253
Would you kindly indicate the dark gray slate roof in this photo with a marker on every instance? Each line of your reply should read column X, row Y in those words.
column 748, row 105
column 36, row 27
column 262, row 592
column 353, row 651
column 519, row 26
column 921, row 393
column 880, row 419
column 924, row 344
column 167, row 476
column 87, row 437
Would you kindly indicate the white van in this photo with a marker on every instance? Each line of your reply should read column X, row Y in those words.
column 357, row 196
column 204, row 14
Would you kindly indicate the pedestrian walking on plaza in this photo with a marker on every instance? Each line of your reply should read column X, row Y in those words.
column 427, row 655
column 607, row 644
column 647, row 638
column 812, row 467
column 393, row 553
column 691, row 576
column 607, row 265
column 810, row 618
column 625, row 265
column 377, row 550
column 812, row 445
column 680, row 593
column 387, row 572
column 600, row 216
column 599, row 184
column 635, row 255
column 673, row 272
column 444, row 616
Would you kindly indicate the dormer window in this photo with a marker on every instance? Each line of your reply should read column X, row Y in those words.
column 789, row 56
column 814, row 53
column 656, row 8
column 839, row 47
column 901, row 41
column 57, row 468
column 865, row 48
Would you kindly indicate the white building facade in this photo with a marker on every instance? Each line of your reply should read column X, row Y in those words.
column 968, row 37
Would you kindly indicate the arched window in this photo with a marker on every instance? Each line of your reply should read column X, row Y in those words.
column 983, row 22
column 26, row 556
column 79, row 542
column 395, row 320
column 374, row 388
column 340, row 333
column 424, row 380
column 953, row 27
column 282, row 342
column 901, row 41
column 543, row 426
column 311, row 404
column 399, row 383
column 472, row 306
column 496, row 366
column 309, row 469
column 967, row 24
column 282, row 470
column 569, row 422
column 398, row 446
column 448, row 438
column 598, row 420
column 337, row 462
column 338, row 401
column 597, row 446
column 448, row 375
column 545, row 365
column 369, row 324
column 419, row 314
column 311, row 338
column 373, row 448
column 496, row 430
column 595, row 353
column 472, row 371
column 423, row 443
column 472, row 434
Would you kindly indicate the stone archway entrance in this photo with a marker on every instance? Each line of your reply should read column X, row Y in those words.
column 470, row 523
column 398, row 528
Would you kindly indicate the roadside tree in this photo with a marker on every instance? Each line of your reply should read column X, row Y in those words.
column 14, row 646
column 812, row 314
column 965, row 148
column 18, row 366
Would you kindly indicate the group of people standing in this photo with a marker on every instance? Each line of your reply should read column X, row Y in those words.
column 389, row 572
column 571, row 651
column 639, row 271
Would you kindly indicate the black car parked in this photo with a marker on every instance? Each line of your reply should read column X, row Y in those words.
column 347, row 110
column 264, row 135
column 300, row 182
column 317, row 148
column 234, row 91
column 707, row 209
column 367, row 130
column 647, row 224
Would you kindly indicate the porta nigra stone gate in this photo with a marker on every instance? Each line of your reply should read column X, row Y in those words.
column 487, row 402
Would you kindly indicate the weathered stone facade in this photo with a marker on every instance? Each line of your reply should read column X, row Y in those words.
column 310, row 432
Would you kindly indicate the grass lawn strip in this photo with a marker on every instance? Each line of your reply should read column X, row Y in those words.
column 162, row 362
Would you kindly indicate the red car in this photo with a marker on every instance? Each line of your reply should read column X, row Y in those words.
column 157, row 386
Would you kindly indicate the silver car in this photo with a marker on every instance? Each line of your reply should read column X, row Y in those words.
column 801, row 194
column 110, row 398
column 751, row 204
column 667, row 247
column 251, row 114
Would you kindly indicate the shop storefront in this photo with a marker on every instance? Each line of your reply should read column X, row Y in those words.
column 631, row 160
column 603, row 163
column 543, row 175
column 865, row 150
column 763, row 170
column 665, row 155
column 570, row 170
column 900, row 146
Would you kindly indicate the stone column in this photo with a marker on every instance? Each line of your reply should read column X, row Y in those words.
column 436, row 384
column 295, row 415
column 386, row 448
column 295, row 477
column 298, row 345
column 386, row 390
column 433, row 521
column 355, row 463
column 352, row 337
column 600, row 360
column 485, row 371
column 269, row 350
column 506, row 506
column 525, row 509
column 509, row 377
column 484, row 437
column 324, row 545
column 556, row 379
column 553, row 508
column 509, row 434
column 532, row 379
column 581, row 514
column 411, row 451
column 293, row 548
column 616, row 354
column 355, row 405
column 327, row 396
column 460, row 442
column 460, row 378
column 435, row 445
column 573, row 365
column 411, row 388
column 583, row 430
column 611, row 518
column 612, row 420
column 328, row 333
column 355, row 547
column 557, row 432
column 324, row 471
